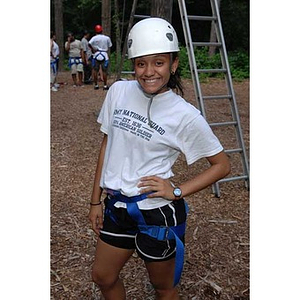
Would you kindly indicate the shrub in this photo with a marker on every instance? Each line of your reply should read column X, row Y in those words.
column 238, row 63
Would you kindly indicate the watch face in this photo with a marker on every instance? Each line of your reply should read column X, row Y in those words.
column 177, row 192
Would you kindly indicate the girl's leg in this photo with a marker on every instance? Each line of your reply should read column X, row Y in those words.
column 161, row 275
column 109, row 261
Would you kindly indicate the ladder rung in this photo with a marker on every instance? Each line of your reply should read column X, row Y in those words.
column 237, row 150
column 233, row 178
column 223, row 123
column 211, row 70
column 141, row 16
column 216, row 97
column 127, row 72
column 206, row 44
column 201, row 18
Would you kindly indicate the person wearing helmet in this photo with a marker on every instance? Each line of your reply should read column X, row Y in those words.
column 146, row 125
column 100, row 45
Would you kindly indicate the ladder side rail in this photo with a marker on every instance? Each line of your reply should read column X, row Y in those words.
column 118, row 75
column 191, row 56
column 216, row 189
column 193, row 67
column 228, row 79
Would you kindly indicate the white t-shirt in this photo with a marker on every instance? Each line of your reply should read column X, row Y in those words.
column 75, row 48
column 86, row 48
column 134, row 149
column 102, row 43
column 55, row 50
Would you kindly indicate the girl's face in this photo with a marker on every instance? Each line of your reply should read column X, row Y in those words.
column 153, row 72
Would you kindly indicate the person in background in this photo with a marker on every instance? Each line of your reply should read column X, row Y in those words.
column 146, row 125
column 76, row 57
column 87, row 61
column 100, row 45
column 54, row 59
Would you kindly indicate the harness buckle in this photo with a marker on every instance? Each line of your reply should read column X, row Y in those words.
column 161, row 233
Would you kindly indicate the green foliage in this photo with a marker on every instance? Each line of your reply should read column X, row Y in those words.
column 238, row 62
column 114, row 63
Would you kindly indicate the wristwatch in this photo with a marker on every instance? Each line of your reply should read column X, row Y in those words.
column 177, row 192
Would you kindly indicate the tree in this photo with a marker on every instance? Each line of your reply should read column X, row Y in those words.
column 116, row 22
column 59, row 29
column 162, row 9
column 106, row 17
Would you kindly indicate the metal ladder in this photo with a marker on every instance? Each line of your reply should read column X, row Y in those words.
column 230, row 96
column 200, row 99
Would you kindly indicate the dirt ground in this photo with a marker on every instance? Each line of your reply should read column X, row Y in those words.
column 217, row 237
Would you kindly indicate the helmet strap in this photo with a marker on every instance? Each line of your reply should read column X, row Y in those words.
column 151, row 96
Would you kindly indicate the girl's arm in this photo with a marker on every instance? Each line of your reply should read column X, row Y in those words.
column 219, row 168
column 96, row 211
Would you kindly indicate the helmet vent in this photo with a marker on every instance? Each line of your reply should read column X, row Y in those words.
column 129, row 43
column 169, row 36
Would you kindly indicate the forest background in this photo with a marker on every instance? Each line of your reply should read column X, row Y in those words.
column 79, row 15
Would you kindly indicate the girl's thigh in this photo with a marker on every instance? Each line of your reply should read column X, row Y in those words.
column 161, row 274
column 109, row 260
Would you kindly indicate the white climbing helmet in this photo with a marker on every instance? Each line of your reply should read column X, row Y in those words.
column 151, row 36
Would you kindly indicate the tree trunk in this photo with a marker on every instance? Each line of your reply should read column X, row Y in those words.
column 106, row 17
column 59, row 30
column 162, row 9
column 118, row 34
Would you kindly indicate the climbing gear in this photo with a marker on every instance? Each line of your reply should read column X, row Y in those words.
column 75, row 61
column 161, row 233
column 53, row 67
column 152, row 36
column 99, row 56
column 98, row 28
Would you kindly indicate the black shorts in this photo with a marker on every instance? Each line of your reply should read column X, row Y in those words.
column 122, row 232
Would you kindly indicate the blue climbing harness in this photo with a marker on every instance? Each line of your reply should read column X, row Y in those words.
column 99, row 53
column 74, row 61
column 161, row 233
column 53, row 66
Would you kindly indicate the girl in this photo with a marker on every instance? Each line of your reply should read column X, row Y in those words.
column 146, row 125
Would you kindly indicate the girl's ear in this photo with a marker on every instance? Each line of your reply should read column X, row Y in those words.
column 174, row 65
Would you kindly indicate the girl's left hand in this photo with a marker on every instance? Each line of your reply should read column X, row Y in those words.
column 158, row 186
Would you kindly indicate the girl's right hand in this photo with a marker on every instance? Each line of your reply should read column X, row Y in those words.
column 96, row 217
